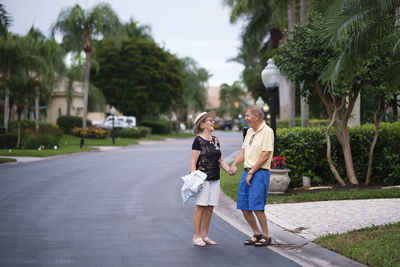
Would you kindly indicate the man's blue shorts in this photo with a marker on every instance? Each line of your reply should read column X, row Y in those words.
column 253, row 197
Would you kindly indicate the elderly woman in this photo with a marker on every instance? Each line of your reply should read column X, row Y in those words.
column 206, row 157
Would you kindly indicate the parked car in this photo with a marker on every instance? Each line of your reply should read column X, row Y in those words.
column 225, row 125
column 119, row 122
column 107, row 125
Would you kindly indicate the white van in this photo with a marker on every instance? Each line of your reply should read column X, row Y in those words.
column 129, row 121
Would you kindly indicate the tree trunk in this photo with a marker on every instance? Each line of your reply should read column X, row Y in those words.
column 177, row 127
column 292, row 88
column 377, row 123
column 341, row 131
column 328, row 151
column 6, row 108
column 86, row 89
column 348, row 158
column 19, row 111
column 304, row 107
column 37, row 95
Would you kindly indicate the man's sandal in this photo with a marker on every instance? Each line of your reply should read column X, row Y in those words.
column 253, row 240
column 263, row 241
column 199, row 242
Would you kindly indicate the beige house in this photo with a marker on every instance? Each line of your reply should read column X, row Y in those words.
column 58, row 103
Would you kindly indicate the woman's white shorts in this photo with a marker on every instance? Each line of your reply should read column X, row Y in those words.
column 209, row 195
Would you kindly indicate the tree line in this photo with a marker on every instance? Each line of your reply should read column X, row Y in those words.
column 337, row 51
column 119, row 64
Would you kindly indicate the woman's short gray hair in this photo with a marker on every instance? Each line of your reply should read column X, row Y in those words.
column 256, row 111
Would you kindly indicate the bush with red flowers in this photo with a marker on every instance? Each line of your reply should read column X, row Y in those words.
column 278, row 162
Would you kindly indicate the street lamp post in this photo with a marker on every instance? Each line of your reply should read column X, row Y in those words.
column 240, row 121
column 271, row 78
column 112, row 110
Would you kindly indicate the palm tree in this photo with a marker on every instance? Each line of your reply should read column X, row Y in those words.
column 355, row 25
column 11, row 62
column 22, row 91
column 79, row 27
column 196, row 83
column 232, row 99
column 133, row 29
column 5, row 21
column 46, row 60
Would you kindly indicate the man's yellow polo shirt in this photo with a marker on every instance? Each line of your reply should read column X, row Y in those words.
column 261, row 140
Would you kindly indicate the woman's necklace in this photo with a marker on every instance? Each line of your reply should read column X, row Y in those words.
column 207, row 138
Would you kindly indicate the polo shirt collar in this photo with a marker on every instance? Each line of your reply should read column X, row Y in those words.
column 262, row 125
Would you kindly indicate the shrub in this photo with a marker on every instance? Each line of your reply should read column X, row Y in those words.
column 67, row 123
column 128, row 133
column 42, row 140
column 305, row 152
column 157, row 127
column 8, row 140
column 90, row 132
column 144, row 131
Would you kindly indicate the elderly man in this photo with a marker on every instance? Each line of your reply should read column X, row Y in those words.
column 257, row 150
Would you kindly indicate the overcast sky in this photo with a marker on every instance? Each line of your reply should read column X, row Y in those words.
column 196, row 28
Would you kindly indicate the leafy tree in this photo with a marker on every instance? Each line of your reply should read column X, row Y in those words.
column 303, row 58
column 79, row 27
column 138, row 77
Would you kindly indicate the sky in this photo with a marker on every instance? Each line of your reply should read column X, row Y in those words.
column 199, row 29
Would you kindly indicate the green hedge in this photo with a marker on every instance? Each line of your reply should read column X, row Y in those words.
column 67, row 123
column 42, row 141
column 305, row 150
column 313, row 123
column 137, row 132
column 7, row 140
column 157, row 127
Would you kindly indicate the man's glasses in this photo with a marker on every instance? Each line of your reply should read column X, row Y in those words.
column 210, row 120
column 251, row 139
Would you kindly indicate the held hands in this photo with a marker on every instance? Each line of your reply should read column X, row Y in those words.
column 232, row 170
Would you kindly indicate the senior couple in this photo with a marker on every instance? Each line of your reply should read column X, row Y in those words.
column 257, row 150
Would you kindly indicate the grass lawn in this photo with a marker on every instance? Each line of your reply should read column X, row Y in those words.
column 68, row 140
column 5, row 160
column 70, row 144
column 372, row 246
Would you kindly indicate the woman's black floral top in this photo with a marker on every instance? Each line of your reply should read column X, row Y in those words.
column 210, row 154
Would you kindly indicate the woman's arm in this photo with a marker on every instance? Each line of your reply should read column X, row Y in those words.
column 238, row 160
column 223, row 165
column 193, row 159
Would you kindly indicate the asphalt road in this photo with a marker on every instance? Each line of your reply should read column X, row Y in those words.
column 114, row 208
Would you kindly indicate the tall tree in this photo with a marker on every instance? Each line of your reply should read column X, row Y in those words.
column 139, row 78
column 196, row 84
column 5, row 20
column 232, row 100
column 79, row 27
column 133, row 29
column 304, row 108
column 46, row 60
column 11, row 62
